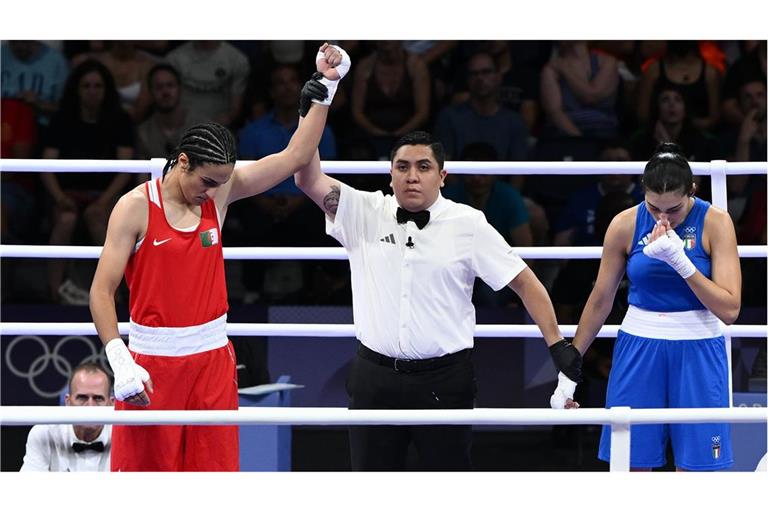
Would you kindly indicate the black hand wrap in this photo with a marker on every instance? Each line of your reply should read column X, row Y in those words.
column 567, row 359
column 312, row 90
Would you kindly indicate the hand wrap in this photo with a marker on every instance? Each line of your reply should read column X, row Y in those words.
column 342, row 69
column 565, row 389
column 129, row 376
column 670, row 249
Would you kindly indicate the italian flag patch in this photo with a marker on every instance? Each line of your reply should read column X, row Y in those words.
column 689, row 242
column 209, row 238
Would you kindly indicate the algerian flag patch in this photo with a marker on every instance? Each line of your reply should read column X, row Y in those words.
column 210, row 237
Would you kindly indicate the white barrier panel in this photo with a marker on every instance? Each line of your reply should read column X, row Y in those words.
column 336, row 330
column 320, row 253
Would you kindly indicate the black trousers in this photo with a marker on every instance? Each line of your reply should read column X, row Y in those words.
column 378, row 385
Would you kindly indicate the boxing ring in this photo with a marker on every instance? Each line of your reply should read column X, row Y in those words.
column 620, row 418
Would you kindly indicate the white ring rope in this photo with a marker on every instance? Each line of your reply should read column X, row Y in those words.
column 155, row 165
column 46, row 165
column 716, row 168
column 320, row 253
column 29, row 415
column 230, row 253
column 339, row 330
column 619, row 417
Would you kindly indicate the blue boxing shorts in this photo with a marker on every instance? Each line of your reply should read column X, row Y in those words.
column 671, row 373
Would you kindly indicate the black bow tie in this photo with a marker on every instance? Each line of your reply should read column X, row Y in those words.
column 420, row 218
column 79, row 447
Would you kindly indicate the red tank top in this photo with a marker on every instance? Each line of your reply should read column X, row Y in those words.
column 176, row 278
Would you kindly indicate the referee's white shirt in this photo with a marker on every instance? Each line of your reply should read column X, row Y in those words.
column 416, row 303
column 49, row 448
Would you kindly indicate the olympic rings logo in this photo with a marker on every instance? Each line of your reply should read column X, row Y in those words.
column 690, row 229
column 56, row 359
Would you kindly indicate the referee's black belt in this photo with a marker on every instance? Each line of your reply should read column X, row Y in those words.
column 413, row 365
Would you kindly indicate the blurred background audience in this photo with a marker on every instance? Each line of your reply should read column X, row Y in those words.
column 485, row 100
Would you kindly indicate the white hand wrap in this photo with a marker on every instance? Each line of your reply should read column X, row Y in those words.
column 670, row 249
column 342, row 69
column 565, row 389
column 129, row 376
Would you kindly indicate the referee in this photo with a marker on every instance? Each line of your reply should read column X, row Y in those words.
column 414, row 257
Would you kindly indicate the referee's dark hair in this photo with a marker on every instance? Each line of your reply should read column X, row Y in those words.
column 419, row 138
column 208, row 143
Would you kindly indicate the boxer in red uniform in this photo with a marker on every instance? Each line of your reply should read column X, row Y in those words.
column 165, row 236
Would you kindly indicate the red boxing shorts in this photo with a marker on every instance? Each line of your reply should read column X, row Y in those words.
column 202, row 381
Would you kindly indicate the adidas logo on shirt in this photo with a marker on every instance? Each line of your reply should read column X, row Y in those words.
column 389, row 239
column 646, row 240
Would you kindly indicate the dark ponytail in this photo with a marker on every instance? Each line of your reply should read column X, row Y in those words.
column 668, row 171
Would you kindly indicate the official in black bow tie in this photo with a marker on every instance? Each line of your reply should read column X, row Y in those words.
column 96, row 446
column 420, row 218
column 411, row 292
column 74, row 447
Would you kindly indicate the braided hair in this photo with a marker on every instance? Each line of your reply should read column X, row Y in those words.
column 668, row 171
column 207, row 143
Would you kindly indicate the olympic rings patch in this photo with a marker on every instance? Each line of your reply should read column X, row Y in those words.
column 68, row 352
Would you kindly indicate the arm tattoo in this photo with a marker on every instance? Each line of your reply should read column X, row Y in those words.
column 331, row 200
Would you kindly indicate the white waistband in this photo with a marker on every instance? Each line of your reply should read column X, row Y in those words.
column 178, row 341
column 673, row 325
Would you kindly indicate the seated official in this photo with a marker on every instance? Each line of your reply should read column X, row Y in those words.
column 74, row 447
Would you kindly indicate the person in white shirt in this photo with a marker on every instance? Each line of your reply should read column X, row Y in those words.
column 414, row 257
column 74, row 447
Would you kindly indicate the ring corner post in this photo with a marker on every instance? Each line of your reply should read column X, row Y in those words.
column 156, row 167
column 620, row 438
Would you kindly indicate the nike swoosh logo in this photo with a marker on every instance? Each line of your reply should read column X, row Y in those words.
column 161, row 242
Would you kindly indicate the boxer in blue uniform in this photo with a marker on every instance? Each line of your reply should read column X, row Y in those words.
column 680, row 255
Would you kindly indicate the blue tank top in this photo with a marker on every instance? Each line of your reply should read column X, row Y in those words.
column 653, row 284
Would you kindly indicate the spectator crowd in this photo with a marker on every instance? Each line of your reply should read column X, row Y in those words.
column 484, row 100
